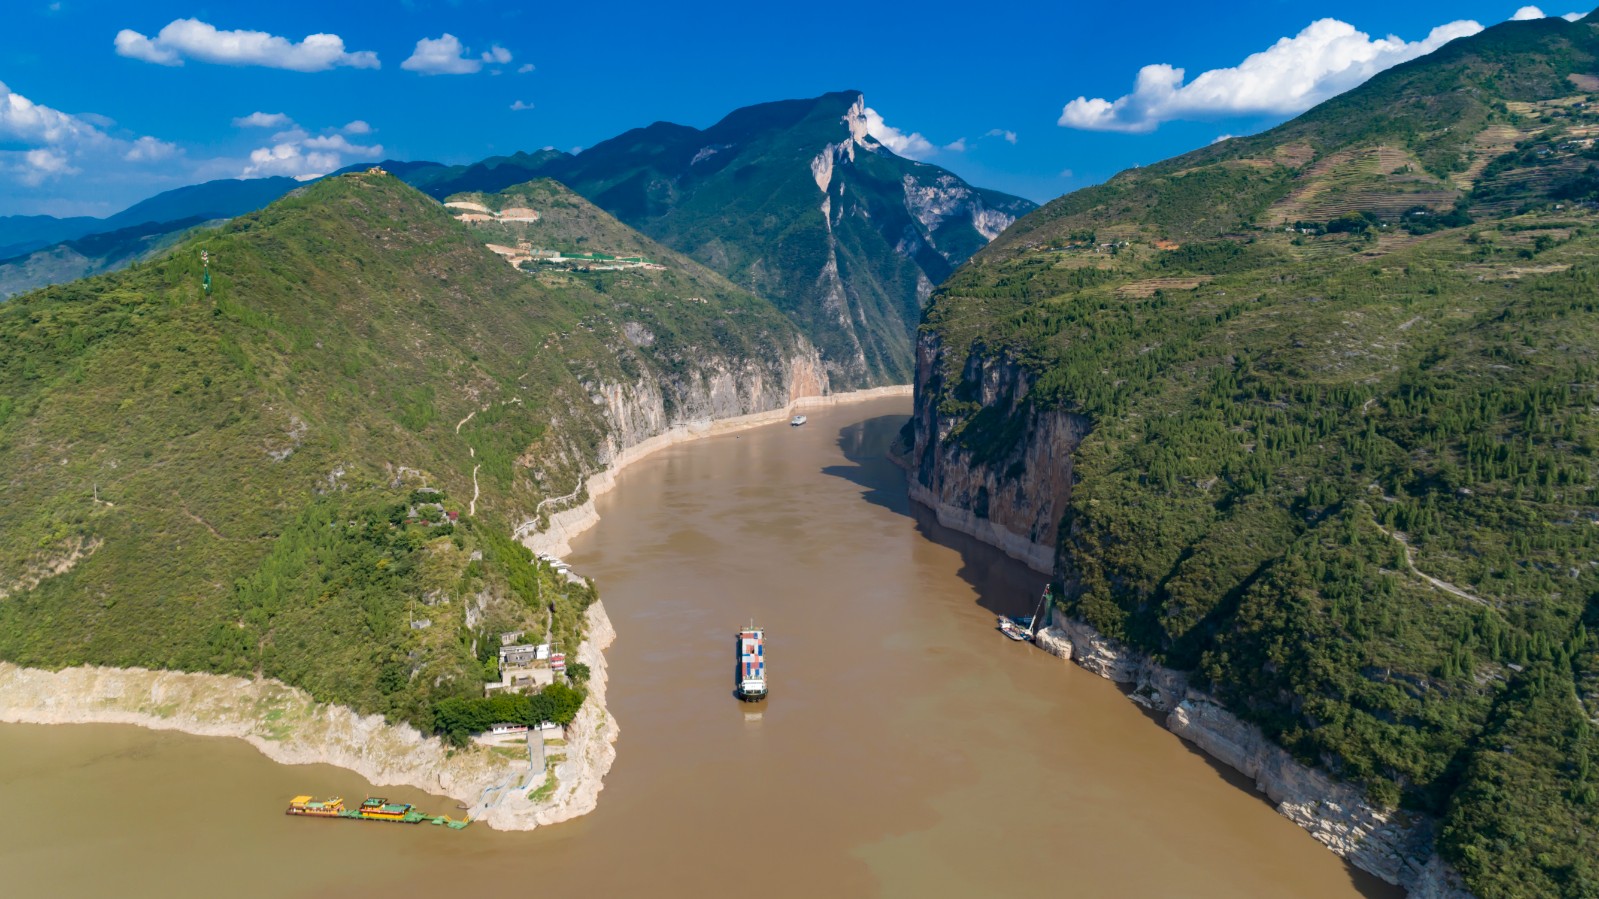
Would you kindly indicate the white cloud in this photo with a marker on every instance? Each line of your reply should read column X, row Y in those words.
column 149, row 149
column 1008, row 136
column 497, row 54
column 1532, row 12
column 51, row 144
column 519, row 106
column 23, row 121
column 357, row 127
column 1325, row 59
column 41, row 164
column 448, row 56
column 299, row 155
column 194, row 39
column 956, row 146
column 524, row 68
column 290, row 160
column 911, row 146
column 1067, row 173
column 263, row 120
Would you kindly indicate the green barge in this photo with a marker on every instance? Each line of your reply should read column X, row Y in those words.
column 373, row 809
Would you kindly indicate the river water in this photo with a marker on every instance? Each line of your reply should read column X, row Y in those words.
column 907, row 748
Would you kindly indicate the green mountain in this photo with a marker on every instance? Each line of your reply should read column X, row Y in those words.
column 1310, row 416
column 313, row 470
column 36, row 251
column 89, row 255
column 24, row 233
column 794, row 201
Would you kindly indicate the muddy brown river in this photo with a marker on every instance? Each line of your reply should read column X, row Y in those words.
column 907, row 748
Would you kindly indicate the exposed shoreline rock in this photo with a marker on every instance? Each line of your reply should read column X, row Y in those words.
column 289, row 727
column 1015, row 501
column 555, row 537
column 1020, row 515
column 1394, row 846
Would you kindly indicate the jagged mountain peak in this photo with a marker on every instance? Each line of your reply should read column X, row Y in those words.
column 794, row 200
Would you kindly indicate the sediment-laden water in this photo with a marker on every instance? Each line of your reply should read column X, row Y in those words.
column 907, row 749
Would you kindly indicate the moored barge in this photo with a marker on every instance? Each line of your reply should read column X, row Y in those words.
column 372, row 809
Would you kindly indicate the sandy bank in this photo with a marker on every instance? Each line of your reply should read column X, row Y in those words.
column 291, row 728
column 555, row 538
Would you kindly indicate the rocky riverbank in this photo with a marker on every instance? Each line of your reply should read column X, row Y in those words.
column 1394, row 846
column 291, row 728
column 1013, row 493
column 556, row 536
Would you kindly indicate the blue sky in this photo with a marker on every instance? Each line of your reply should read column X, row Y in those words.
column 105, row 103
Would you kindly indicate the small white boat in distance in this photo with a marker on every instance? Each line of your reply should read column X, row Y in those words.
column 1012, row 629
column 797, row 420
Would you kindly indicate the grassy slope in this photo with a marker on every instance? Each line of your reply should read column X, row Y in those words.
column 1273, row 418
column 230, row 477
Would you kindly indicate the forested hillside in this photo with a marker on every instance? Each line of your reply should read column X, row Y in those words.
column 311, row 470
column 1340, row 382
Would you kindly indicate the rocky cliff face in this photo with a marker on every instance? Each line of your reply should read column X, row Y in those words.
column 652, row 412
column 1005, row 476
column 796, row 201
column 716, row 389
column 1392, row 845
column 1008, row 489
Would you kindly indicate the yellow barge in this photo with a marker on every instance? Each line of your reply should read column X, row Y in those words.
column 372, row 809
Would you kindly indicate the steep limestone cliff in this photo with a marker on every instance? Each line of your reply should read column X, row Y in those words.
column 650, row 413
column 1004, row 475
column 1011, row 495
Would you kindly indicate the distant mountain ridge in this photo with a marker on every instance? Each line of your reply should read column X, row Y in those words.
column 793, row 200
column 36, row 251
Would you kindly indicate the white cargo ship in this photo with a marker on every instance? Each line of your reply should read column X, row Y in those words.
column 752, row 664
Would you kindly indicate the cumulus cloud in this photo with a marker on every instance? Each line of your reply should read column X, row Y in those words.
column 1008, row 136
column 298, row 154
column 357, row 127
column 911, row 146
column 1532, row 12
column 150, row 149
column 23, row 121
column 263, row 120
column 446, row 55
column 49, row 143
column 956, row 146
column 519, row 106
column 1325, row 59
column 193, row 39
column 43, row 163
column 524, row 68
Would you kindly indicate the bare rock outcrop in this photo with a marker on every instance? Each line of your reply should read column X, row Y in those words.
column 1008, row 490
column 1006, row 478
